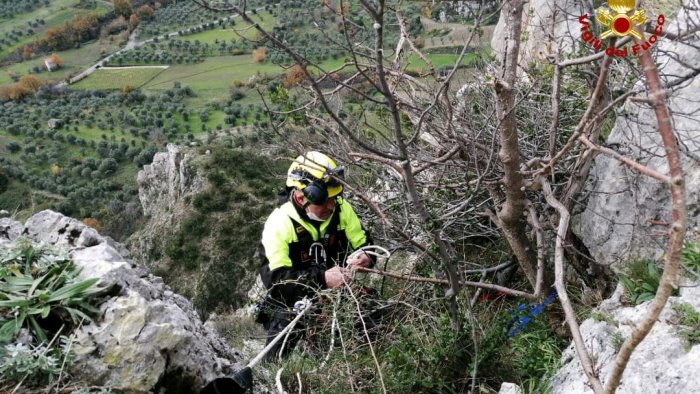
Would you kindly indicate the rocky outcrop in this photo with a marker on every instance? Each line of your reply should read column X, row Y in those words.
column 663, row 362
column 627, row 214
column 543, row 20
column 205, row 209
column 168, row 181
column 146, row 338
column 166, row 187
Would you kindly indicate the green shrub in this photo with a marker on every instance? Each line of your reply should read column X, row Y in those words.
column 641, row 281
column 690, row 319
column 529, row 358
column 31, row 365
column 617, row 340
column 417, row 353
column 40, row 290
column 15, row 196
column 210, row 202
column 691, row 256
column 536, row 351
column 185, row 254
column 603, row 316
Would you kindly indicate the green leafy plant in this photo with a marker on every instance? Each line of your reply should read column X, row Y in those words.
column 537, row 386
column 603, row 317
column 536, row 351
column 690, row 319
column 641, row 281
column 691, row 256
column 617, row 340
column 20, row 362
column 40, row 290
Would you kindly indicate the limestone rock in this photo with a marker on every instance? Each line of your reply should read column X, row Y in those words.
column 53, row 228
column 147, row 338
column 626, row 213
column 165, row 187
column 660, row 364
column 542, row 21
column 167, row 181
column 9, row 230
column 510, row 388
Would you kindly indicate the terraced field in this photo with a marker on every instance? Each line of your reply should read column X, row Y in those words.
column 119, row 78
column 56, row 14
column 75, row 61
column 457, row 34
column 264, row 18
column 213, row 77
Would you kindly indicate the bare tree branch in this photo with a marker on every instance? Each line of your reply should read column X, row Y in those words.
column 678, row 227
column 511, row 214
column 560, row 284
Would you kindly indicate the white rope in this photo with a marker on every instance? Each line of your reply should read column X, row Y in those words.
column 370, row 250
column 278, row 381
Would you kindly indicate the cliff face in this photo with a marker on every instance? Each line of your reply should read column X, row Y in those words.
column 204, row 210
column 146, row 338
column 166, row 183
column 166, row 187
column 543, row 20
column 627, row 214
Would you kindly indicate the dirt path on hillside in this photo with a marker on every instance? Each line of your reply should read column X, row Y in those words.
column 126, row 67
column 134, row 43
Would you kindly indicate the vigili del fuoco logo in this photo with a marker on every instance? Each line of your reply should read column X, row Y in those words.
column 619, row 20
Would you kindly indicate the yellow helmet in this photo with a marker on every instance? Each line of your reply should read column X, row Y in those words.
column 311, row 173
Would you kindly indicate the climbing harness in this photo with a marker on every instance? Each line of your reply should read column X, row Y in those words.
column 524, row 313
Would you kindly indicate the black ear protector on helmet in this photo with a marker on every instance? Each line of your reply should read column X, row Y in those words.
column 316, row 192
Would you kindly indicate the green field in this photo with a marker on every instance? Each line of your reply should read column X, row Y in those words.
column 212, row 78
column 117, row 79
column 414, row 62
column 56, row 10
column 440, row 60
column 455, row 34
column 56, row 14
column 264, row 18
column 75, row 61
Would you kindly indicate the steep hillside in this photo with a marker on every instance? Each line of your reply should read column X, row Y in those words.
column 204, row 210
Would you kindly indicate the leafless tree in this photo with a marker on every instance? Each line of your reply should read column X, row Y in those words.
column 503, row 156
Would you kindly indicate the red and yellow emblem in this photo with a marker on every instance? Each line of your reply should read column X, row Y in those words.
column 620, row 23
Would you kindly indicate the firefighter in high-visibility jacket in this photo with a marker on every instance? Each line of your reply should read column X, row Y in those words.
column 306, row 242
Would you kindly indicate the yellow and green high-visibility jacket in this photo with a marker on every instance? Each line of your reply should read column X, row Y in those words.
column 288, row 269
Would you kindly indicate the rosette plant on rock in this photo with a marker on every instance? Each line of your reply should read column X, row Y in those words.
column 42, row 302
